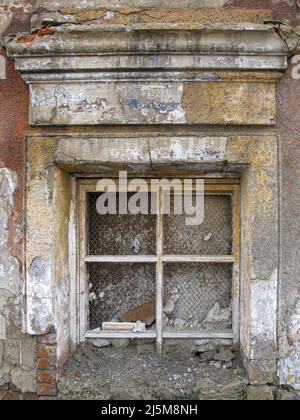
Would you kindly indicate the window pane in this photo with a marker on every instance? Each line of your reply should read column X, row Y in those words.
column 120, row 234
column 115, row 289
column 212, row 237
column 197, row 296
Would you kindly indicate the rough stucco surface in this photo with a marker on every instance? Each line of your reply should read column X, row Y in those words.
column 288, row 94
column 17, row 364
column 17, row 351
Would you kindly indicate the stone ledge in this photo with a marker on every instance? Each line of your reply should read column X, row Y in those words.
column 151, row 37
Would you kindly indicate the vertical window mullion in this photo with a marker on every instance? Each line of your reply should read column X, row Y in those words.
column 159, row 272
column 83, row 286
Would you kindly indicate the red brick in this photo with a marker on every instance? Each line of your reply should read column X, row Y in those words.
column 13, row 388
column 47, row 390
column 2, row 395
column 11, row 396
column 13, row 125
column 45, row 364
column 46, row 377
column 44, row 351
column 29, row 397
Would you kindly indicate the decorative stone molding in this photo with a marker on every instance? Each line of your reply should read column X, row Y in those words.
column 148, row 73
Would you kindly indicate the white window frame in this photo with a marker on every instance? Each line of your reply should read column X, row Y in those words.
column 212, row 187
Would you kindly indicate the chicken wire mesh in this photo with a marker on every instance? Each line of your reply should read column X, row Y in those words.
column 192, row 291
column 212, row 237
column 120, row 234
column 115, row 289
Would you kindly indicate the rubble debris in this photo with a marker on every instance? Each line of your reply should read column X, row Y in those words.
column 203, row 346
column 217, row 365
column 146, row 348
column 225, row 355
column 180, row 324
column 228, row 365
column 140, row 327
column 260, row 393
column 100, row 343
column 144, row 313
column 92, row 297
column 218, row 318
column 169, row 308
column 120, row 343
column 207, row 356
column 208, row 237
column 139, row 372
column 231, row 390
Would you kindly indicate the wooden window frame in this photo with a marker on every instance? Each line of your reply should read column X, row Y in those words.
column 212, row 187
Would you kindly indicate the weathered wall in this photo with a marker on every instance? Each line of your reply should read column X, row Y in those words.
column 17, row 351
column 14, row 17
column 288, row 127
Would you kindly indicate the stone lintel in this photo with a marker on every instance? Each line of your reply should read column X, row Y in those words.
column 151, row 73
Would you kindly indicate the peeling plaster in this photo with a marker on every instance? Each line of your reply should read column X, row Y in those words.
column 10, row 278
column 12, row 351
column 40, row 317
column 107, row 103
column 190, row 149
column 289, row 365
column 264, row 317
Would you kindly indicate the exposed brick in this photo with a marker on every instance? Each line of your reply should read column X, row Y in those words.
column 46, row 377
column 47, row 390
column 45, row 364
column 29, row 397
column 44, row 351
column 13, row 388
column 11, row 396
column 13, row 125
column 2, row 395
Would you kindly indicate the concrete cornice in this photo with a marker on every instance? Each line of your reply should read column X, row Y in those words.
column 71, row 48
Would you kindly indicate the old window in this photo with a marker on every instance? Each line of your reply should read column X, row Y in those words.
column 181, row 281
